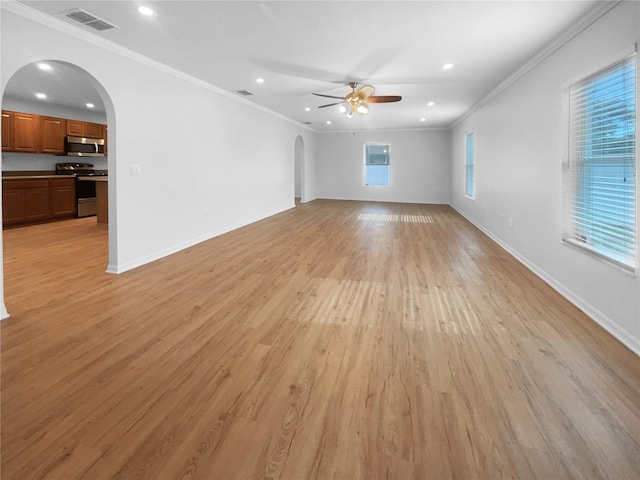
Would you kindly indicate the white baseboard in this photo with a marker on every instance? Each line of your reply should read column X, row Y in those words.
column 121, row 268
column 596, row 315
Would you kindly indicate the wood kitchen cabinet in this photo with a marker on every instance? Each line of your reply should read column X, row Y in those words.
column 78, row 128
column 31, row 133
column 52, row 134
column 27, row 201
column 75, row 128
column 7, row 131
column 63, row 197
column 26, row 132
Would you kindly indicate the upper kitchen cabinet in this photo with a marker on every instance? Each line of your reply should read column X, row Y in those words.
column 31, row 133
column 25, row 132
column 7, row 131
column 93, row 130
column 53, row 132
column 77, row 128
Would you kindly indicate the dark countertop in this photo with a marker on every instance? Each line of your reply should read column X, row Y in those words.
column 11, row 175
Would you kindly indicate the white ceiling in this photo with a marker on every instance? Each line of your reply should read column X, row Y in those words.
column 300, row 47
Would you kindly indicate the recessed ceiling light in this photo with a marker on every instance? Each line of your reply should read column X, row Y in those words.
column 423, row 119
column 307, row 109
column 447, row 66
column 41, row 96
column 430, row 104
column 145, row 11
column 260, row 80
column 328, row 122
column 45, row 66
column 90, row 105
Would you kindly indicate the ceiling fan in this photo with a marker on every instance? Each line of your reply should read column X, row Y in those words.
column 359, row 100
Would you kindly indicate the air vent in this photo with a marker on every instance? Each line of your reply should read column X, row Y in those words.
column 307, row 123
column 246, row 93
column 89, row 20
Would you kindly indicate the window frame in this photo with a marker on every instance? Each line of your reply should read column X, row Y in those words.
column 572, row 187
column 365, row 164
column 470, row 165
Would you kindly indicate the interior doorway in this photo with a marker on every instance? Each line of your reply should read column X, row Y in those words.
column 51, row 90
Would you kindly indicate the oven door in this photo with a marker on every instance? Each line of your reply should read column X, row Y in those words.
column 86, row 196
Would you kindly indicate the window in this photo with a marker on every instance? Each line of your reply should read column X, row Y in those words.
column 376, row 164
column 469, row 165
column 600, row 170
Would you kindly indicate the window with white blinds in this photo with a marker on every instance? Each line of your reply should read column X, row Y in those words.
column 469, row 165
column 600, row 170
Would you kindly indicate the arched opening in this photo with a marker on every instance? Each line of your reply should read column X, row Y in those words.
column 298, row 169
column 69, row 95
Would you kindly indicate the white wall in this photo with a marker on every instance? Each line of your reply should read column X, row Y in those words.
column 518, row 138
column 209, row 162
column 419, row 171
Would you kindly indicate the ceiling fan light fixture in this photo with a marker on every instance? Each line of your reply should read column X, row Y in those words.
column 343, row 109
column 349, row 114
column 363, row 108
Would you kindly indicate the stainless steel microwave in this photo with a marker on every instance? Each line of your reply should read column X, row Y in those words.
column 84, row 147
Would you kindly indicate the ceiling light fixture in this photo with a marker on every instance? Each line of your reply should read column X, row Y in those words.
column 145, row 11
column 45, row 66
column 430, row 104
column 307, row 109
column 41, row 96
column 423, row 119
column 260, row 80
column 363, row 108
column 447, row 66
column 328, row 122
column 90, row 105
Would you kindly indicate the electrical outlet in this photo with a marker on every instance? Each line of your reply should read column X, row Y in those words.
column 135, row 169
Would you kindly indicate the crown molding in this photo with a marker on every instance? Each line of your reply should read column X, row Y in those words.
column 386, row 130
column 47, row 20
column 589, row 19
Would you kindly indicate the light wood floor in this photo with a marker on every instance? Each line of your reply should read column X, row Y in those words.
column 341, row 340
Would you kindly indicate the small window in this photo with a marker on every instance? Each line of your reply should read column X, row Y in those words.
column 376, row 164
column 469, row 165
column 599, row 177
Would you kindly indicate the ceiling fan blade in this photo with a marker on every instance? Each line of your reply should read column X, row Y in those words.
column 327, row 96
column 330, row 104
column 364, row 92
column 384, row 98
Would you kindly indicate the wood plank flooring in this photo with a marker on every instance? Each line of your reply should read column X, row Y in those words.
column 337, row 340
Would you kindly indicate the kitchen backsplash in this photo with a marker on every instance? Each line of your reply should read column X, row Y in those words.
column 12, row 162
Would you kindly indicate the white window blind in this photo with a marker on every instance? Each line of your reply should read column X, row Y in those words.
column 600, row 172
column 469, row 166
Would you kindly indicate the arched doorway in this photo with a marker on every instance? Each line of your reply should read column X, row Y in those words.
column 70, row 92
column 298, row 169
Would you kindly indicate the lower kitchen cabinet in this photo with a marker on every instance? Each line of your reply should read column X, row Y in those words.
column 27, row 201
column 63, row 197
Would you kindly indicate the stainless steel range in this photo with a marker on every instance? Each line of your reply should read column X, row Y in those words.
column 85, row 174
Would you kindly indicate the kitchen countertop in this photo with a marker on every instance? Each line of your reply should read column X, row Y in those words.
column 18, row 177
column 15, row 175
